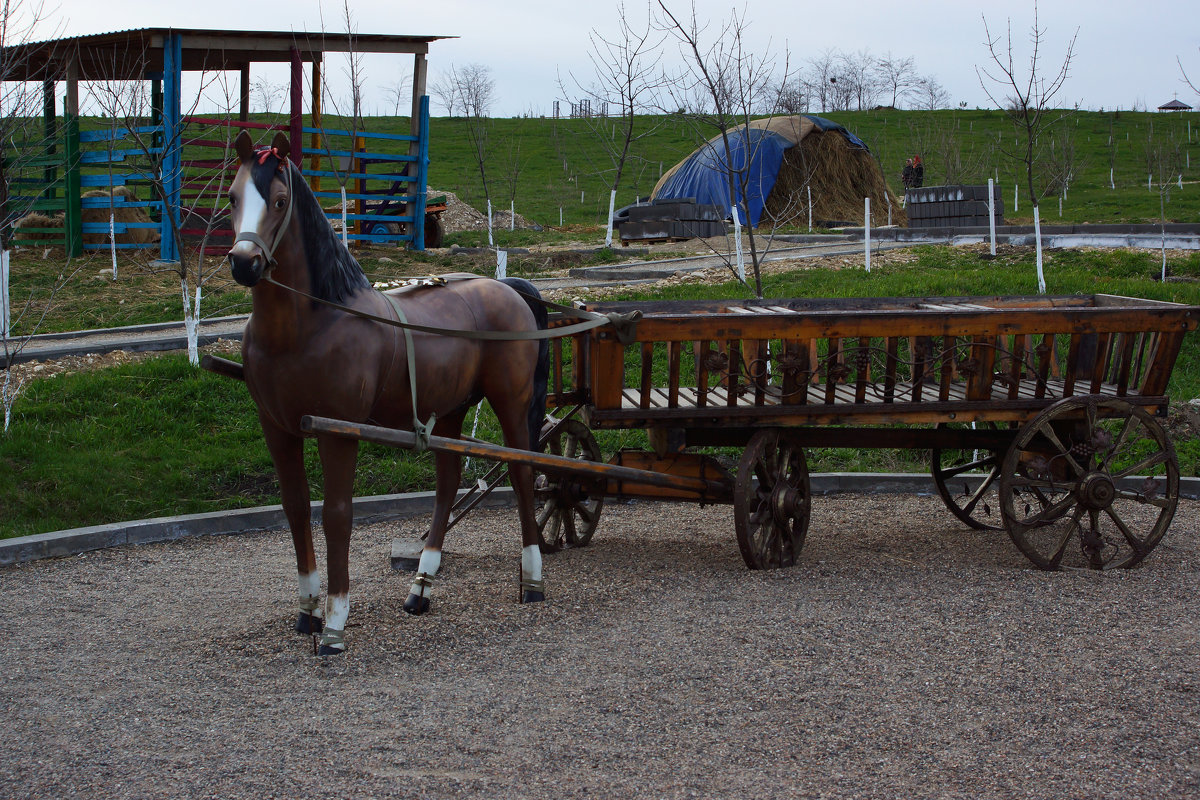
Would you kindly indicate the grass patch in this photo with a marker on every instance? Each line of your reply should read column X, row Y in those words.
column 159, row 437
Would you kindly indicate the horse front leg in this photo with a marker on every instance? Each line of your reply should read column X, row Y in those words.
column 287, row 454
column 533, row 589
column 338, row 458
column 449, row 472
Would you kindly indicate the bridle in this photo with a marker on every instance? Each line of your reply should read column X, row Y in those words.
column 254, row 238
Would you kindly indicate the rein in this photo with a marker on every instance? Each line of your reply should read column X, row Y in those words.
column 624, row 325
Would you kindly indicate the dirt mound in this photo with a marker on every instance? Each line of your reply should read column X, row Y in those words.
column 461, row 216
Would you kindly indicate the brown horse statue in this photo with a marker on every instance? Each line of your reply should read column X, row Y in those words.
column 305, row 351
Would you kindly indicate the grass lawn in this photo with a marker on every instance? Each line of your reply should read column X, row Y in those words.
column 159, row 437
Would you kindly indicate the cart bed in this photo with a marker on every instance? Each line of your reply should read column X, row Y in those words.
column 870, row 360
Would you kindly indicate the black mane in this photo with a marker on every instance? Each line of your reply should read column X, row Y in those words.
column 333, row 273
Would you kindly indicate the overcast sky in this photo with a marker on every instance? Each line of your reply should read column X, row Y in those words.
column 1125, row 53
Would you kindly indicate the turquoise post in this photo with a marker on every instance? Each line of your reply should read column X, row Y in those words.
column 421, row 189
column 172, row 161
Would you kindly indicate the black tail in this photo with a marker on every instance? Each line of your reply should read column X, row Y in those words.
column 541, row 375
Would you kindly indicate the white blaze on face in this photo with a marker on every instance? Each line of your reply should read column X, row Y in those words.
column 310, row 593
column 254, row 214
column 428, row 566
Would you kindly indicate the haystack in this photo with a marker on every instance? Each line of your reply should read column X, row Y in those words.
column 120, row 213
column 786, row 157
column 37, row 226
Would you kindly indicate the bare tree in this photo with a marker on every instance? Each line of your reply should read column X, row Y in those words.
column 626, row 76
column 397, row 93
column 1164, row 163
column 1031, row 103
column 897, row 76
column 791, row 97
column 476, row 88
column 268, row 96
column 736, row 82
column 350, row 111
column 126, row 108
column 25, row 142
column 929, row 95
column 859, row 71
column 938, row 140
column 820, row 78
column 445, row 89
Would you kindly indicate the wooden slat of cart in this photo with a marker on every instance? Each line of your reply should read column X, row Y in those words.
column 889, row 370
column 673, row 349
column 647, row 372
column 862, row 364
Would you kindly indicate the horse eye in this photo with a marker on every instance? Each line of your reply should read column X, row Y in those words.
column 233, row 201
column 280, row 202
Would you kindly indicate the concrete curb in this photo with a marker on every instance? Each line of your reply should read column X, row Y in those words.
column 381, row 508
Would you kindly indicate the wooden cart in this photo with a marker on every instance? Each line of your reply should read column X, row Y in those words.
column 1041, row 415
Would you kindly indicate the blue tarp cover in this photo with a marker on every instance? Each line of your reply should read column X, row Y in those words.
column 704, row 175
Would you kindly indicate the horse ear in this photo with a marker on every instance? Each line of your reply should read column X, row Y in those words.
column 281, row 145
column 244, row 146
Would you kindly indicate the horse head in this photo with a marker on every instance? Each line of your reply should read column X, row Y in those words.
column 260, row 202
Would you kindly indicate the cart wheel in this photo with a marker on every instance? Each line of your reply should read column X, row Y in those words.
column 1064, row 494
column 978, row 507
column 566, row 513
column 771, row 500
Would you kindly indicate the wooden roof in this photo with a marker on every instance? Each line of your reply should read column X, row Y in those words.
column 1174, row 105
column 135, row 54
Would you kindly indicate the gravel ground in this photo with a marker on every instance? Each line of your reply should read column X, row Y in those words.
column 904, row 657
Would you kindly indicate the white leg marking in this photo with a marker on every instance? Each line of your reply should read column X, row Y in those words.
column 531, row 563
column 310, row 593
column 428, row 566
column 337, row 609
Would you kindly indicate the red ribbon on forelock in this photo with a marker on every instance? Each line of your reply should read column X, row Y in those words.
column 264, row 152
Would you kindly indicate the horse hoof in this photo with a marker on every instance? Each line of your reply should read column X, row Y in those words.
column 533, row 597
column 416, row 605
column 308, row 624
column 326, row 650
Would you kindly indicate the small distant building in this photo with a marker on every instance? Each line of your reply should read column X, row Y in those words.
column 1175, row 105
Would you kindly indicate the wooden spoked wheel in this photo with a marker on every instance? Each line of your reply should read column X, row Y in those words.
column 772, row 500
column 1090, row 482
column 566, row 513
column 968, row 480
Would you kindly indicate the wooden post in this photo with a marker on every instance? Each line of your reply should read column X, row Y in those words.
column 49, row 114
column 244, row 111
column 296, row 121
column 73, row 185
column 420, row 149
column 314, row 160
column 418, row 206
column 359, row 145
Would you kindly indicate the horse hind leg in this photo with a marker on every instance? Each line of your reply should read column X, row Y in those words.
column 514, row 424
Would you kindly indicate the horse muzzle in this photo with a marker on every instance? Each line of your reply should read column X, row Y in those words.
column 247, row 265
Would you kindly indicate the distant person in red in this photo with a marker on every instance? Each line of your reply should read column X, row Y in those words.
column 914, row 173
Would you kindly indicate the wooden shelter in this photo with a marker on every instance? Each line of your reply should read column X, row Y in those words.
column 1175, row 105
column 161, row 56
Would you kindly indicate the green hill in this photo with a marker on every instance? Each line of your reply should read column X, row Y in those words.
column 560, row 163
